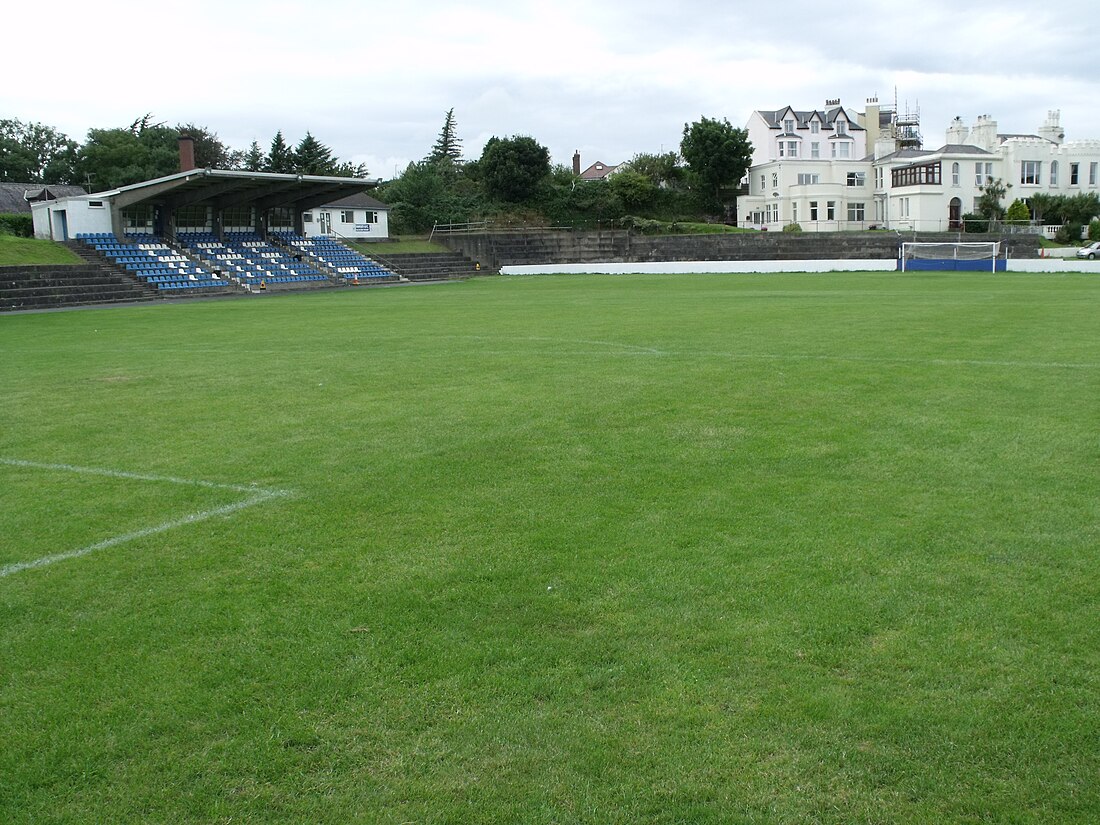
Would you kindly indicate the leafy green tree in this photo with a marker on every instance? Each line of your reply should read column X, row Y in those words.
column 426, row 194
column 311, row 157
column 35, row 153
column 1018, row 213
column 513, row 168
column 17, row 163
column 663, row 170
column 210, row 152
column 448, row 146
column 280, row 158
column 717, row 154
column 1080, row 208
column 118, row 157
column 1041, row 205
column 989, row 205
column 632, row 188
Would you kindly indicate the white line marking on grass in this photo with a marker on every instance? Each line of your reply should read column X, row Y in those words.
column 259, row 496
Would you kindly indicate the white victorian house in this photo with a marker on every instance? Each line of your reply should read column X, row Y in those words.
column 835, row 169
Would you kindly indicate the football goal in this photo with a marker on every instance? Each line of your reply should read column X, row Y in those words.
column 977, row 256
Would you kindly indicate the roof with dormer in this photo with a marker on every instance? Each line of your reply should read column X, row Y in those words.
column 826, row 117
column 17, row 197
column 598, row 171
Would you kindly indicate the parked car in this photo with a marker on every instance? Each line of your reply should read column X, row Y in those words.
column 1092, row 251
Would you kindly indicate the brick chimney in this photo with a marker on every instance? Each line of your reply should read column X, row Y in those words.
column 187, row 153
column 577, row 162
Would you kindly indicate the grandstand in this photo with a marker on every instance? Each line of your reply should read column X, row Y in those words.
column 249, row 260
column 343, row 262
column 156, row 263
column 245, row 260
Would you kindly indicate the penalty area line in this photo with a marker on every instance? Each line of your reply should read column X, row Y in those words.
column 259, row 496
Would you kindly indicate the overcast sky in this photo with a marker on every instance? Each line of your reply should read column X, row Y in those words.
column 374, row 80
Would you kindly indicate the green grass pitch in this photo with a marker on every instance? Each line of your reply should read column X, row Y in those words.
column 754, row 549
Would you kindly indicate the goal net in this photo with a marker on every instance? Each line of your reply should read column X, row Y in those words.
column 975, row 256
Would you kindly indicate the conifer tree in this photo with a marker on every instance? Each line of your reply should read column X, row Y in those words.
column 448, row 146
column 254, row 158
column 311, row 157
column 280, row 158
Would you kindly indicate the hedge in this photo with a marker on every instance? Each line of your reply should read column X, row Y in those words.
column 12, row 224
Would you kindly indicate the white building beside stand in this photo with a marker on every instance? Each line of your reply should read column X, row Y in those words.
column 356, row 217
column 834, row 169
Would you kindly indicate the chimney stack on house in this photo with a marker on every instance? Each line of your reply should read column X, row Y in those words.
column 187, row 153
column 957, row 133
column 983, row 133
column 577, row 162
column 1052, row 129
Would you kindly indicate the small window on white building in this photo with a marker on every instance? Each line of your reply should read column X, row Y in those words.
column 1074, row 173
column 792, row 148
column 788, row 127
column 307, row 217
column 794, row 211
column 371, row 217
column 841, row 127
column 775, row 180
column 954, row 174
column 830, row 210
column 1029, row 172
column 95, row 204
column 979, row 178
column 815, row 150
column 763, row 182
column 813, row 210
column 856, row 212
column 1054, row 173
column 347, row 216
column 1092, row 174
column 808, row 178
column 857, row 178
column 815, row 127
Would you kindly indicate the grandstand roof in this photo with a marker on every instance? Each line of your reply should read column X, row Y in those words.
column 231, row 187
column 362, row 201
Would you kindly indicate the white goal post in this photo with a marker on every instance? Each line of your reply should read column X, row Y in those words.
column 973, row 255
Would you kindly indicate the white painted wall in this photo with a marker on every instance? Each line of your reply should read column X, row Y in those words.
column 1024, row 265
column 359, row 229
column 928, row 205
column 694, row 267
column 80, row 216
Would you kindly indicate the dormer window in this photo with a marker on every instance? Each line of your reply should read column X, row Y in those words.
column 841, row 127
column 815, row 127
column 788, row 127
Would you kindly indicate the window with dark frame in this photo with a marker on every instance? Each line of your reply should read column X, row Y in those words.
column 917, row 175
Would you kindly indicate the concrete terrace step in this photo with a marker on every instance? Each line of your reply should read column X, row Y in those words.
column 533, row 247
column 429, row 266
column 33, row 287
